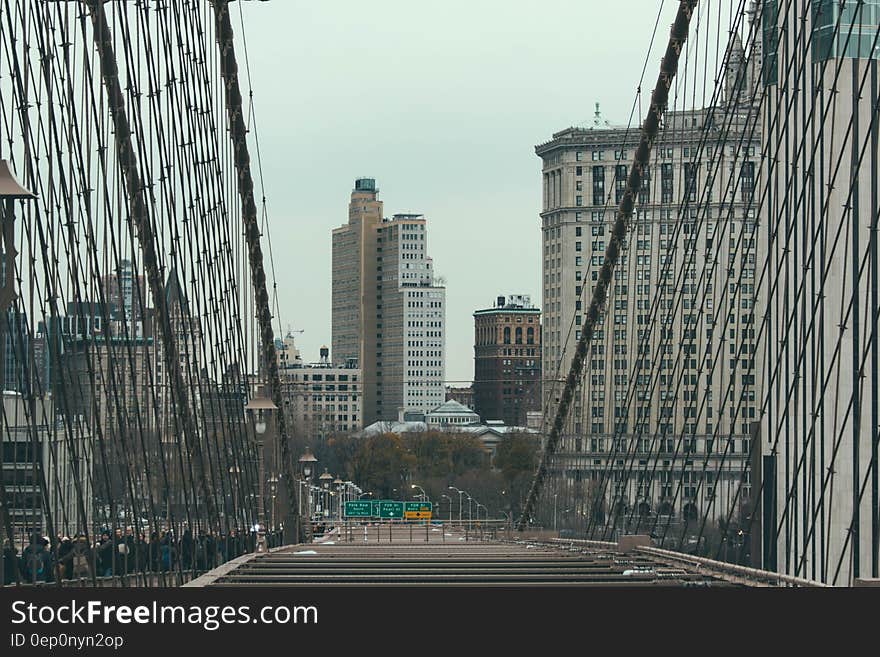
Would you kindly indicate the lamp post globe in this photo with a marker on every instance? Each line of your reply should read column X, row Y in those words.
column 307, row 463
column 423, row 495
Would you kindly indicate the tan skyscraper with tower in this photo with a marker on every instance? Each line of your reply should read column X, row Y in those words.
column 387, row 313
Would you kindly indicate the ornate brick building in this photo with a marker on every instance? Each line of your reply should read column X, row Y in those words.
column 507, row 360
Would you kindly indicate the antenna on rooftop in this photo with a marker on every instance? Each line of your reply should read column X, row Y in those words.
column 598, row 120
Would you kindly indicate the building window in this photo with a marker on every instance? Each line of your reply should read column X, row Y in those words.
column 770, row 47
column 599, row 185
column 855, row 22
column 620, row 176
column 666, row 182
column 747, row 181
column 645, row 185
column 690, row 181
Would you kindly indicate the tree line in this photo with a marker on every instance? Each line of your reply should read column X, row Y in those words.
column 388, row 464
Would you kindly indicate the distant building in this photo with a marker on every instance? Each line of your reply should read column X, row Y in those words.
column 507, row 360
column 319, row 398
column 186, row 332
column 83, row 321
column 451, row 414
column 817, row 428
column 394, row 426
column 450, row 417
column 464, row 396
column 491, row 433
column 128, row 293
column 649, row 315
column 101, row 369
column 388, row 311
column 223, row 405
column 16, row 369
column 35, row 449
column 535, row 420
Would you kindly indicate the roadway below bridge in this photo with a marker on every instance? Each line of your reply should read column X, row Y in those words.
column 429, row 555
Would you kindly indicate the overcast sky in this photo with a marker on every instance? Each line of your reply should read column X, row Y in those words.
column 442, row 103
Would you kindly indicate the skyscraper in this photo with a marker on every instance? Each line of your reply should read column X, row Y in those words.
column 821, row 180
column 354, row 278
column 642, row 399
column 388, row 313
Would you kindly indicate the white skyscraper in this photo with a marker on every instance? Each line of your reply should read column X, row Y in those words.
column 388, row 311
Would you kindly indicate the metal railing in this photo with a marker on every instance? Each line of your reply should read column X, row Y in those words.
column 722, row 567
column 396, row 530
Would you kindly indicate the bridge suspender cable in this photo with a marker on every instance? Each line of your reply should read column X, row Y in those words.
column 668, row 68
column 238, row 130
column 135, row 190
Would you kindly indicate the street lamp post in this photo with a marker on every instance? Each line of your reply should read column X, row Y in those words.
column 460, row 493
column 273, row 487
column 554, row 510
column 370, row 493
column 450, row 505
column 260, row 408
column 325, row 480
column 307, row 466
column 507, row 504
column 424, row 495
column 340, row 489
column 350, row 489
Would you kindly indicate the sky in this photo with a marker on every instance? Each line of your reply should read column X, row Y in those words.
column 443, row 104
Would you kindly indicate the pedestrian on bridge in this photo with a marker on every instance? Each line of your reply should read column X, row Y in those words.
column 76, row 561
column 168, row 551
column 62, row 561
column 10, row 562
column 36, row 561
column 104, row 555
column 154, row 552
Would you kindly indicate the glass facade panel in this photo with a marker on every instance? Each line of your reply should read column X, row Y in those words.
column 846, row 29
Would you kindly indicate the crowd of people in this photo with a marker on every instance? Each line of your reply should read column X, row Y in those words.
column 123, row 553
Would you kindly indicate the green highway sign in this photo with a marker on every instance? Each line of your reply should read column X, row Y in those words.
column 417, row 510
column 358, row 509
column 389, row 509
